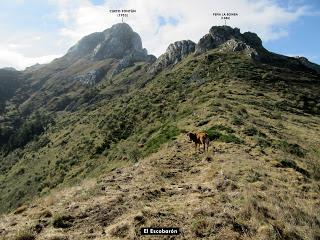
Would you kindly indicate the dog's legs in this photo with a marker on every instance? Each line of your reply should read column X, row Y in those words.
column 207, row 141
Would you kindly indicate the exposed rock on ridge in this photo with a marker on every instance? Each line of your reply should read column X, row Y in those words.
column 227, row 39
column 91, row 77
column 219, row 35
column 174, row 53
column 118, row 42
column 305, row 62
column 230, row 39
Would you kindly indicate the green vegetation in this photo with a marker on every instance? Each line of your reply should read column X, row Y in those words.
column 126, row 133
column 9, row 83
column 162, row 136
column 63, row 221
column 252, row 131
column 291, row 148
column 25, row 235
column 215, row 134
column 292, row 164
column 230, row 138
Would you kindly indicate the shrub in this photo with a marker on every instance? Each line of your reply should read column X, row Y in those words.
column 62, row 103
column 251, row 131
column 229, row 138
column 286, row 163
column 237, row 120
column 25, row 235
column 253, row 176
column 221, row 127
column 291, row 148
column 165, row 134
column 263, row 142
column 120, row 231
column 30, row 129
column 213, row 134
column 62, row 221
column 243, row 112
column 200, row 227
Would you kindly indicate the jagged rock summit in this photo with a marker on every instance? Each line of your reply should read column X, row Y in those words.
column 117, row 42
column 219, row 35
column 228, row 39
column 124, row 46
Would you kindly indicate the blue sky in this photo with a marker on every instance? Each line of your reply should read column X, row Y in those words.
column 38, row 31
column 304, row 35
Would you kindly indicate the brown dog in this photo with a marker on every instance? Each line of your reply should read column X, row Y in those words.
column 199, row 138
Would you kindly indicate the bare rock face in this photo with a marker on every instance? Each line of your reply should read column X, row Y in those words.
column 230, row 38
column 130, row 59
column 174, row 53
column 118, row 42
column 86, row 45
column 252, row 39
column 235, row 45
column 91, row 77
column 223, row 37
column 124, row 45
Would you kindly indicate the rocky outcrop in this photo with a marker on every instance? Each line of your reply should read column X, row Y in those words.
column 174, row 53
column 224, row 37
column 252, row 39
column 91, row 77
column 305, row 62
column 118, row 42
column 86, row 45
column 231, row 39
column 130, row 59
column 235, row 45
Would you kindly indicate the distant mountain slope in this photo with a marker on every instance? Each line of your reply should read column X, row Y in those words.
column 9, row 83
column 124, row 126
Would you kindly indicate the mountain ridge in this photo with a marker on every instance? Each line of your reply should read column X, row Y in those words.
column 109, row 43
column 92, row 148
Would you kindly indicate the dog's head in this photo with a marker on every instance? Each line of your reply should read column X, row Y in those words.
column 192, row 136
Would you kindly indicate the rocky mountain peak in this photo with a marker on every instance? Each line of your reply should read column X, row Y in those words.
column 219, row 35
column 117, row 42
column 228, row 38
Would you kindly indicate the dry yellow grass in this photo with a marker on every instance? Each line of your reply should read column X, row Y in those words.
column 231, row 193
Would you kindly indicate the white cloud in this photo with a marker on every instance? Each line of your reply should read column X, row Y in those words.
column 194, row 18
column 19, row 61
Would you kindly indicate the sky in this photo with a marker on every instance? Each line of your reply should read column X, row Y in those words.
column 37, row 31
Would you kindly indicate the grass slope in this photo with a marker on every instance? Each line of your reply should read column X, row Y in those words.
column 260, row 179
